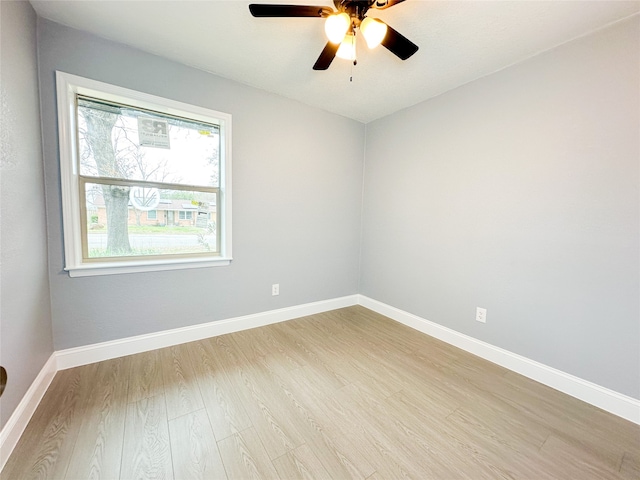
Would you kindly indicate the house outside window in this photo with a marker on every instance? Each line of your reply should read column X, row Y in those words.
column 137, row 170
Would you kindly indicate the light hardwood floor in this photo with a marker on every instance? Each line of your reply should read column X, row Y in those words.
column 343, row 394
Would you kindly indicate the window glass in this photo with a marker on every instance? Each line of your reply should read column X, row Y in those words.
column 145, row 180
column 174, row 231
column 122, row 142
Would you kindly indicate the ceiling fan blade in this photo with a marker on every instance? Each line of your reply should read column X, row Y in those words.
column 263, row 10
column 327, row 56
column 398, row 44
column 382, row 4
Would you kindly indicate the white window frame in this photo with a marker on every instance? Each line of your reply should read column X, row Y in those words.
column 68, row 87
column 155, row 215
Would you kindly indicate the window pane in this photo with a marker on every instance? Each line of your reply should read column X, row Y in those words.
column 124, row 142
column 119, row 222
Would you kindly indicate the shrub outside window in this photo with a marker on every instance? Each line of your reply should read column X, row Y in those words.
column 145, row 180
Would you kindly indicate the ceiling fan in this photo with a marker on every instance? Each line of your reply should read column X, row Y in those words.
column 341, row 27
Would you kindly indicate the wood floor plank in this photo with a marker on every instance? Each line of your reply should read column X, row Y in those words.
column 300, row 463
column 449, row 447
column 411, row 373
column 21, row 460
column 263, row 403
column 146, row 451
column 432, row 373
column 98, row 449
column 571, row 461
column 270, row 413
column 251, row 343
column 260, row 342
column 581, row 424
column 337, row 450
column 194, row 449
column 509, row 429
column 45, row 449
column 283, row 348
column 373, row 439
column 375, row 476
column 433, row 449
column 226, row 413
column 341, row 455
column 315, row 355
column 630, row 466
column 145, row 376
column 502, row 446
column 180, row 385
column 393, row 336
column 244, row 456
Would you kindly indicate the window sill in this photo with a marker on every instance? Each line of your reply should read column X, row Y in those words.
column 116, row 268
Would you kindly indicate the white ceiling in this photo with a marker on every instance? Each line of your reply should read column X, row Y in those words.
column 459, row 41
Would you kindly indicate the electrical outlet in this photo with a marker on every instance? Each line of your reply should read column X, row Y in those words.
column 481, row 314
column 275, row 289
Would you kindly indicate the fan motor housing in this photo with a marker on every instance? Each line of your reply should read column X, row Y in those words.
column 356, row 9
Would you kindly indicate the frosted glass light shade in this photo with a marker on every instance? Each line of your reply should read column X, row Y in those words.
column 347, row 49
column 373, row 31
column 336, row 26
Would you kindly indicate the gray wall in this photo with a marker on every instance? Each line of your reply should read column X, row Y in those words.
column 297, row 182
column 519, row 193
column 25, row 316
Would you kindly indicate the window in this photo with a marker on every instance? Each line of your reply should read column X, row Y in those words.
column 132, row 166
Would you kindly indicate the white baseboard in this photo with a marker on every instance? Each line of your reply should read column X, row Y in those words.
column 18, row 421
column 74, row 357
column 601, row 397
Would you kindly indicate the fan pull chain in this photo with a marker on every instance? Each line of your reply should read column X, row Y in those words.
column 355, row 62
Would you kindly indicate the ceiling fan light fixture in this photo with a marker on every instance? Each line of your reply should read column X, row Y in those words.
column 373, row 31
column 342, row 24
column 347, row 49
column 336, row 26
